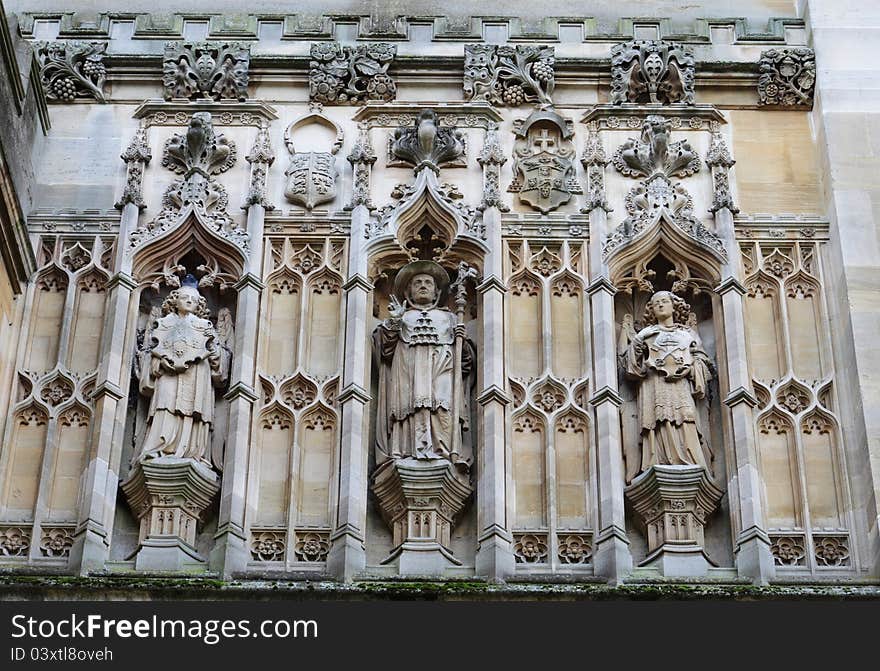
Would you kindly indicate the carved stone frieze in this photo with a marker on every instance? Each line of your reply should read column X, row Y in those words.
column 198, row 155
column 652, row 71
column 544, row 172
column 217, row 70
column 787, row 77
column 511, row 76
column 136, row 157
column 351, row 75
column 72, row 69
column 492, row 157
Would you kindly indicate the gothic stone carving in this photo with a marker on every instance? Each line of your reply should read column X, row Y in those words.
column 508, row 75
column 72, row 69
column 197, row 155
column 422, row 412
column 311, row 176
column 217, row 70
column 260, row 157
column 351, row 75
column 652, row 71
column 427, row 143
column 657, row 198
column 787, row 77
column 184, row 359
column 492, row 158
column 362, row 158
column 667, row 361
column 544, row 173
column 136, row 157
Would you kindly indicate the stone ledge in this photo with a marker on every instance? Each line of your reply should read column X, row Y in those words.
column 154, row 587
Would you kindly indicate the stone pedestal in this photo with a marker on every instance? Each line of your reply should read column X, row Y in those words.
column 420, row 499
column 169, row 496
column 673, row 502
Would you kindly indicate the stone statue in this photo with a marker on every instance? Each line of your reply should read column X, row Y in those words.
column 419, row 398
column 183, row 359
column 667, row 359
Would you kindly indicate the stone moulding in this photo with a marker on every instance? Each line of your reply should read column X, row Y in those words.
column 512, row 76
column 351, row 75
column 461, row 115
column 652, row 71
column 217, row 70
column 158, row 112
column 629, row 116
column 787, row 77
column 72, row 69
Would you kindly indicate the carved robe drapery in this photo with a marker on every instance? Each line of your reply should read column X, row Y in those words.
column 179, row 374
column 673, row 371
column 416, row 360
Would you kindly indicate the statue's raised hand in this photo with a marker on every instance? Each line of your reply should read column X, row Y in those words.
column 395, row 308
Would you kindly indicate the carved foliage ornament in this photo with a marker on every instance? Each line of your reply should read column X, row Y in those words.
column 351, row 75
column 652, row 71
column 72, row 69
column 509, row 76
column 197, row 155
column 787, row 77
column 544, row 173
column 217, row 70
column 427, row 144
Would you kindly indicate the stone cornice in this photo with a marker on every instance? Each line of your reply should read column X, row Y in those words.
column 161, row 112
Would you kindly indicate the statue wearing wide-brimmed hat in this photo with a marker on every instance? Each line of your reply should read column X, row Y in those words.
column 424, row 362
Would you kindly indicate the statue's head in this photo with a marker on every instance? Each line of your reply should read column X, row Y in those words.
column 665, row 304
column 421, row 283
column 422, row 290
column 184, row 301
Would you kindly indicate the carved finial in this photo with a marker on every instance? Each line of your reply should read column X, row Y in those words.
column 427, row 144
column 261, row 151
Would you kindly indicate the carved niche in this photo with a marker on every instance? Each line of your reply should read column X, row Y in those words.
column 311, row 175
column 508, row 76
column 351, row 75
column 657, row 198
column 652, row 71
column 197, row 155
column 217, row 70
column 787, row 77
column 72, row 69
column 544, row 171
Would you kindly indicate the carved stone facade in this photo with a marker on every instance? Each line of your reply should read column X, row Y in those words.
column 605, row 314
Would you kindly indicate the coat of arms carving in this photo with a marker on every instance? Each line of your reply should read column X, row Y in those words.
column 544, row 161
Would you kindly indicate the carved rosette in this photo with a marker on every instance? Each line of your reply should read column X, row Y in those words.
column 594, row 161
column 72, row 69
column 492, row 157
column 351, row 75
column 136, row 157
column 198, row 155
column 674, row 502
column 216, row 70
column 787, row 77
column 657, row 200
column 652, row 71
column 544, row 172
column 509, row 76
column 362, row 158
column 260, row 158
column 420, row 500
column 169, row 496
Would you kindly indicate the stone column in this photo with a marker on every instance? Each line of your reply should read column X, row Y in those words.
column 94, row 526
column 846, row 116
column 611, row 555
column 752, row 551
column 347, row 555
column 230, row 553
column 495, row 543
